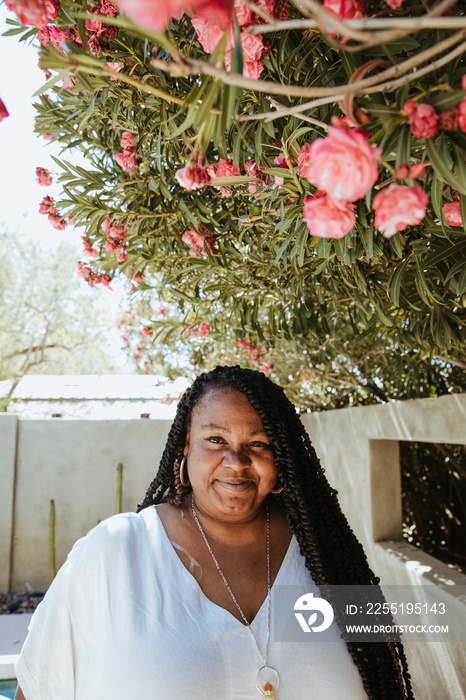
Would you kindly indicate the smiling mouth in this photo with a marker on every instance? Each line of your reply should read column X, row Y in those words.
column 237, row 486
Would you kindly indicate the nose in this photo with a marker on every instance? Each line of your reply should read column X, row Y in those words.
column 236, row 459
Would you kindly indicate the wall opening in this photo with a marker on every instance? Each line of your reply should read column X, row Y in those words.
column 433, row 497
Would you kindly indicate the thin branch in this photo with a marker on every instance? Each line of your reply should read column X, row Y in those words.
column 413, row 24
column 451, row 361
column 190, row 66
column 382, row 87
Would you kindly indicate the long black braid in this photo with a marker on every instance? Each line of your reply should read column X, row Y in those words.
column 333, row 554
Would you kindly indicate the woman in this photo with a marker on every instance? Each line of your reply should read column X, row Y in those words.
column 176, row 601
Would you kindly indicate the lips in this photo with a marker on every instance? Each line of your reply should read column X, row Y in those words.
column 234, row 485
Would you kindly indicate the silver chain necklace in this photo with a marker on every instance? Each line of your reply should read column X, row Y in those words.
column 267, row 679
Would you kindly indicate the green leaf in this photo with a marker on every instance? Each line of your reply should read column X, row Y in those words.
column 395, row 282
column 445, row 252
column 440, row 166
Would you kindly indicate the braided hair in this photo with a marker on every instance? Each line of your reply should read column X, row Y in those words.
column 331, row 551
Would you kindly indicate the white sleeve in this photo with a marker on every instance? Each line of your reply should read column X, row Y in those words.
column 47, row 664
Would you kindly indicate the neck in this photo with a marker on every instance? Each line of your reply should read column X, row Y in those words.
column 234, row 534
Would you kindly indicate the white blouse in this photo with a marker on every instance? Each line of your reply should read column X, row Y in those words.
column 125, row 620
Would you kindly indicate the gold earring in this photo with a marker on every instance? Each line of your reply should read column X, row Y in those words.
column 277, row 490
column 183, row 482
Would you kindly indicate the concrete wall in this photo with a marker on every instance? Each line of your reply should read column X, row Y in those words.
column 74, row 463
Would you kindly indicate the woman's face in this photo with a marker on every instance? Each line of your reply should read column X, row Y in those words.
column 229, row 457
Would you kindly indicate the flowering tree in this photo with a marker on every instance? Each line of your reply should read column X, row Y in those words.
column 292, row 177
column 47, row 324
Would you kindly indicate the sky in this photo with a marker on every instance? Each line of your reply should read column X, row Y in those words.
column 21, row 151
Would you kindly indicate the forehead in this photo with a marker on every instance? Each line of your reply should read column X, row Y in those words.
column 224, row 407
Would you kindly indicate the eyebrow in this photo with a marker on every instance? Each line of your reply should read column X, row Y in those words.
column 206, row 426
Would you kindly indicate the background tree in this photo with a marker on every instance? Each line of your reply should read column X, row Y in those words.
column 49, row 324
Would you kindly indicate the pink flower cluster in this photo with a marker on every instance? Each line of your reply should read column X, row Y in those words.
column 88, row 249
column 3, row 111
column 343, row 165
column 425, row 121
column 209, row 34
column 194, row 175
column 47, row 206
column 224, row 168
column 397, row 207
column 35, row 13
column 96, row 32
column 116, row 235
column 43, row 177
column 254, row 351
column 156, row 15
column 452, row 214
column 92, row 277
column 199, row 244
column 203, row 329
column 344, row 9
column 128, row 160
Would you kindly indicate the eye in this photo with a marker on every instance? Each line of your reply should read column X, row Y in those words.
column 258, row 443
column 216, row 439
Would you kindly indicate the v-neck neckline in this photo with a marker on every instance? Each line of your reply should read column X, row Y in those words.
column 176, row 562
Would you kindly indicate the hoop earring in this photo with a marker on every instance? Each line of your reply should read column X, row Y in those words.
column 183, row 482
column 277, row 490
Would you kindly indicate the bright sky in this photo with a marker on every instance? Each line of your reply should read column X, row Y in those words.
column 21, row 151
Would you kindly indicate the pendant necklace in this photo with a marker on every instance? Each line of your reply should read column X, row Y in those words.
column 267, row 679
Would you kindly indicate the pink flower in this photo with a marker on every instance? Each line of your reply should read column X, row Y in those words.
column 253, row 50
column 43, row 177
column 157, row 15
column 47, row 206
column 127, row 141
column 265, row 369
column 398, row 207
column 121, row 255
column 199, row 243
column 327, row 217
column 448, row 120
column 304, row 159
column 423, row 119
column 109, row 8
column 416, row 170
column 116, row 66
column 278, row 182
column 204, row 329
column 57, row 221
column 3, row 111
column 244, row 15
column 343, row 164
column 394, row 4
column 344, row 9
column 31, row 12
column 51, row 8
column 128, row 161
column 88, row 249
column 192, row 178
column 462, row 114
column 452, row 214
column 58, row 36
column 209, row 34
column 224, row 168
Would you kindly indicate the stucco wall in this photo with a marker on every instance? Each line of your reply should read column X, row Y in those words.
column 74, row 463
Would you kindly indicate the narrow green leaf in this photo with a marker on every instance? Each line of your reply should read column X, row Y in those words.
column 395, row 282
column 441, row 167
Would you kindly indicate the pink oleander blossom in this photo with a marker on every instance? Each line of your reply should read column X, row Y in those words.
column 462, row 114
column 198, row 243
column 51, row 8
column 58, row 222
column 422, row 118
column 344, row 9
column 327, row 217
column 3, row 111
column 127, row 141
column 448, row 120
column 157, row 15
column 47, row 205
column 128, row 161
column 224, row 168
column 398, row 207
column 244, row 15
column 304, row 159
column 192, row 177
column 343, row 164
column 204, row 328
column 88, row 249
column 29, row 12
column 452, row 214
column 394, row 4
column 43, row 177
